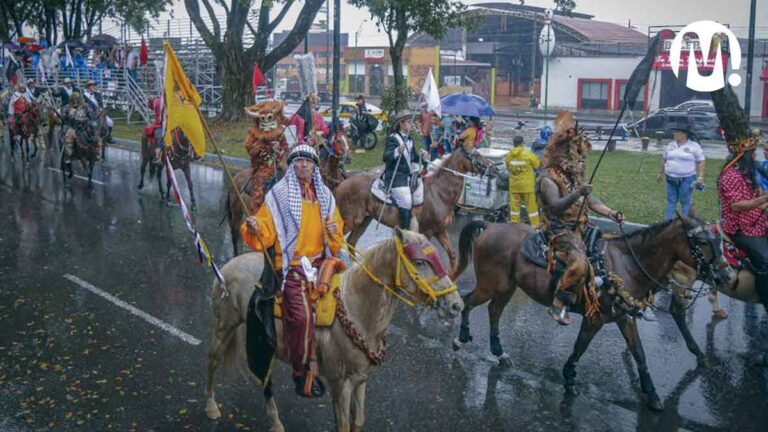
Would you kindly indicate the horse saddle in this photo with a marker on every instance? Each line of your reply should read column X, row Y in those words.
column 736, row 258
column 379, row 190
column 536, row 246
column 324, row 305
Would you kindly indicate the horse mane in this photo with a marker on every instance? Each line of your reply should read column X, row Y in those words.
column 644, row 234
column 370, row 256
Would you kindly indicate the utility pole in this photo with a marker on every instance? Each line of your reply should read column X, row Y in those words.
column 750, row 59
column 534, row 45
column 336, row 64
column 328, row 40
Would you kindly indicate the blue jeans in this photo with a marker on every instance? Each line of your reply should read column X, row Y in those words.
column 679, row 190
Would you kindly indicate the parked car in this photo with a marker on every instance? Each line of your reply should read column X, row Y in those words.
column 704, row 124
column 695, row 104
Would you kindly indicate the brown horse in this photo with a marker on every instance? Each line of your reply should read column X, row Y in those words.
column 345, row 363
column 442, row 191
column 330, row 164
column 181, row 155
column 26, row 132
column 640, row 259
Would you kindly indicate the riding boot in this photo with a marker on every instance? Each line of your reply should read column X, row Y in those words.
column 109, row 136
column 404, row 218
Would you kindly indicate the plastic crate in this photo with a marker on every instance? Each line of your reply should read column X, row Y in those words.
column 482, row 192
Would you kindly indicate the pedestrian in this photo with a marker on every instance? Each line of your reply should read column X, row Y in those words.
column 473, row 135
column 683, row 167
column 450, row 126
column 425, row 124
column 520, row 163
column 760, row 175
column 435, row 134
column 132, row 62
column 300, row 220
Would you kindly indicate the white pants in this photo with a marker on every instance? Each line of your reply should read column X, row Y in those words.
column 402, row 197
column 108, row 121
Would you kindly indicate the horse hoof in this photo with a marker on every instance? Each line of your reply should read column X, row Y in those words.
column 457, row 344
column 193, row 208
column 277, row 428
column 357, row 428
column 496, row 348
column 505, row 360
column 654, row 403
column 702, row 362
column 464, row 336
column 720, row 314
column 140, row 186
column 212, row 411
column 571, row 390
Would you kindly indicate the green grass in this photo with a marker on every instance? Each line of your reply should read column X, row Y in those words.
column 620, row 186
column 231, row 138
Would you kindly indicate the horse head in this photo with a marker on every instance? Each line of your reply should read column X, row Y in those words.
column 705, row 253
column 470, row 162
column 423, row 277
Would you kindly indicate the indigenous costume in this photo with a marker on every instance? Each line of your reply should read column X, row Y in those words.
column 563, row 165
column 520, row 163
column 293, row 220
column 76, row 124
column 266, row 146
column 737, row 183
column 398, row 171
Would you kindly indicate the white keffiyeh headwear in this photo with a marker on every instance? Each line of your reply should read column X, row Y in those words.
column 284, row 201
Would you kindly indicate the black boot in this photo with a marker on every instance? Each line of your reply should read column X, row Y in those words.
column 404, row 218
column 109, row 136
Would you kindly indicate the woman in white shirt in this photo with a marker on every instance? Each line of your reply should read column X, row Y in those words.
column 683, row 167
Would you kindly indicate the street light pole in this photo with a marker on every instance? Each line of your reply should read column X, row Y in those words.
column 750, row 59
column 336, row 64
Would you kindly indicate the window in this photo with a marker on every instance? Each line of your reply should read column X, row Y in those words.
column 594, row 94
column 639, row 102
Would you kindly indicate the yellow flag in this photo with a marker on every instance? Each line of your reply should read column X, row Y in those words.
column 181, row 102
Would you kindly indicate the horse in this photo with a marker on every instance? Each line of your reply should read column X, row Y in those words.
column 640, row 259
column 26, row 131
column 369, row 307
column 86, row 148
column 442, row 191
column 181, row 154
column 330, row 164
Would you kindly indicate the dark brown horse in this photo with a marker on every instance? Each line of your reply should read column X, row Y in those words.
column 181, row 154
column 442, row 191
column 26, row 132
column 641, row 259
column 331, row 162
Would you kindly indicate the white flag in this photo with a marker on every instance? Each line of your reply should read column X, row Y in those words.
column 68, row 61
column 431, row 95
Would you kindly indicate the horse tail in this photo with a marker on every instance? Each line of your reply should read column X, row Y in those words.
column 467, row 238
column 227, row 208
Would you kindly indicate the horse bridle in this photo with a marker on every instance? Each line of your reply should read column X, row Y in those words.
column 477, row 166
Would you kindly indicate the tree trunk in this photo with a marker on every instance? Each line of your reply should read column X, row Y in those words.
column 236, row 91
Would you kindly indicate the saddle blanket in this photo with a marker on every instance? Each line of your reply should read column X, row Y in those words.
column 535, row 246
column 736, row 257
column 325, row 306
column 379, row 191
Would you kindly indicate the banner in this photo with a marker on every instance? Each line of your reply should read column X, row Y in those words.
column 180, row 102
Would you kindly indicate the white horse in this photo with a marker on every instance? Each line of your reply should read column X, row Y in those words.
column 369, row 306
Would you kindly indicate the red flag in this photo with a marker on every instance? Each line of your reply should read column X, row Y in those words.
column 257, row 78
column 143, row 53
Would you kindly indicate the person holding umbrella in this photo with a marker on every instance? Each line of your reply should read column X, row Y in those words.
column 399, row 153
column 471, row 138
column 683, row 167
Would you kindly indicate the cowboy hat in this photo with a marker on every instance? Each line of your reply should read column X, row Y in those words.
column 393, row 126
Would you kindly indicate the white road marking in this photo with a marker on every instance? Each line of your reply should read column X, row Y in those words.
column 77, row 176
column 135, row 311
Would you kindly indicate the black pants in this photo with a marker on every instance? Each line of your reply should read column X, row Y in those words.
column 757, row 251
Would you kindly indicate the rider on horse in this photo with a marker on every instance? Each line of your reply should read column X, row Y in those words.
column 96, row 105
column 399, row 153
column 560, row 189
column 300, row 220
column 77, row 124
column 18, row 105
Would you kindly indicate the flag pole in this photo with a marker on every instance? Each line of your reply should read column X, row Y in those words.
column 234, row 186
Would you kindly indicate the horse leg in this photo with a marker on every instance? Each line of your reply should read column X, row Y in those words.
column 677, row 309
column 445, row 242
column 359, row 407
column 475, row 298
column 495, row 309
column 142, row 170
column 587, row 331
column 628, row 327
column 91, row 163
column 717, row 311
column 167, row 188
column 341, row 392
column 188, row 176
column 358, row 232
column 220, row 342
column 272, row 414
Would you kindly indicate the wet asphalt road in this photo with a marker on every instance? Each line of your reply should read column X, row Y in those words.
column 71, row 360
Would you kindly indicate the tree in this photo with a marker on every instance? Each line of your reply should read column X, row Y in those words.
column 234, row 61
column 13, row 15
column 399, row 19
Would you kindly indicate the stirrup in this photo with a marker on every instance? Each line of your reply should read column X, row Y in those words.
column 309, row 386
column 560, row 315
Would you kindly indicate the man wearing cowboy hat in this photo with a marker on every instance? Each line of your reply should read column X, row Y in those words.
column 299, row 219
column 683, row 167
column 96, row 105
column 399, row 153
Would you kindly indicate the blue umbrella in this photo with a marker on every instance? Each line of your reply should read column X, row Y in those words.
column 466, row 104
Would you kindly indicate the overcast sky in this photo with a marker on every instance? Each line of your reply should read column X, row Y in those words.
column 642, row 13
